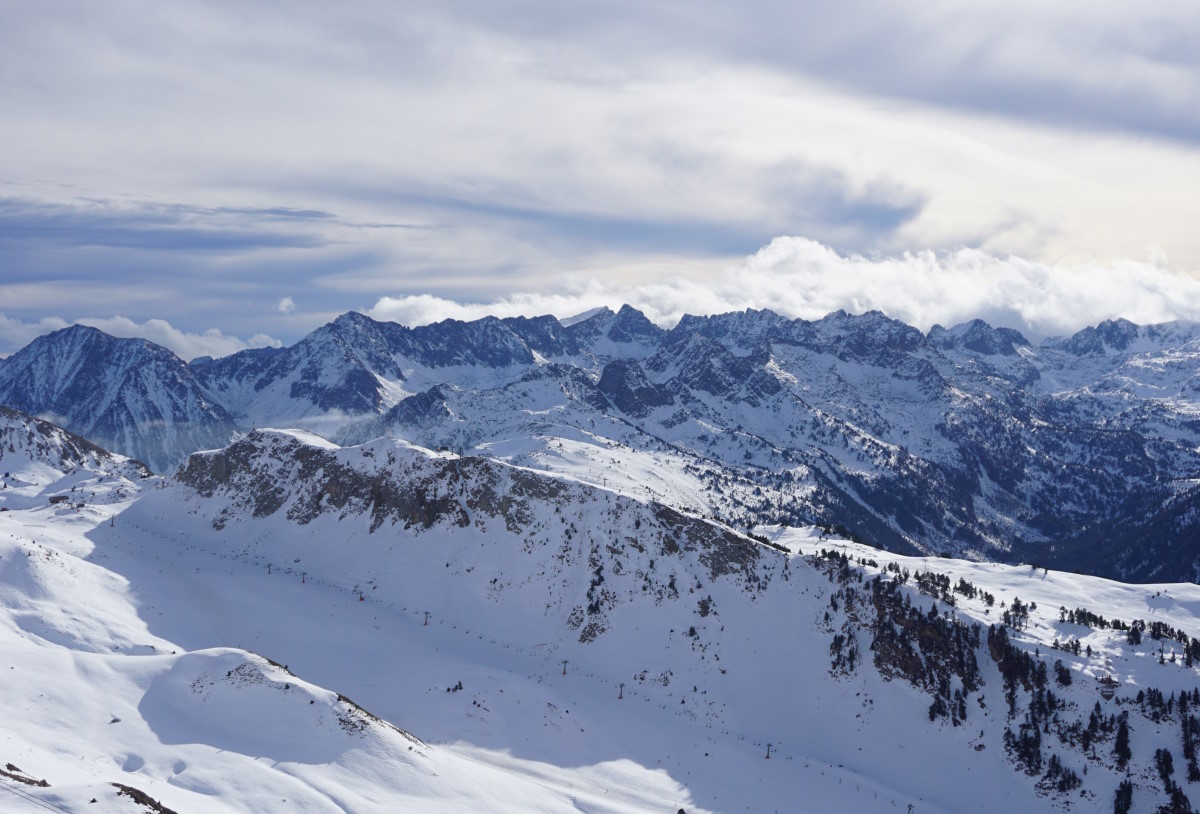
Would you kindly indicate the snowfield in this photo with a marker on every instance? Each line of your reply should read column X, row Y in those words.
column 517, row 641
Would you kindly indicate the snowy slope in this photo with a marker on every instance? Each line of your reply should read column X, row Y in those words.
column 95, row 698
column 40, row 460
column 95, row 695
column 395, row 575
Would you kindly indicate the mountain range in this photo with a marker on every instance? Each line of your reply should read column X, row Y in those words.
column 1080, row 452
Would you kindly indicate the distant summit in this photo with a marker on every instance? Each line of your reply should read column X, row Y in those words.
column 129, row 395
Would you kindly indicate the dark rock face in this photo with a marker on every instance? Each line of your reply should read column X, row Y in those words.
column 487, row 342
column 264, row 473
column 721, row 551
column 625, row 385
column 1117, row 335
column 978, row 337
column 544, row 335
column 631, row 325
column 422, row 408
column 248, row 365
column 698, row 364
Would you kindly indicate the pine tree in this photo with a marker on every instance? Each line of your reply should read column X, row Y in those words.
column 1062, row 674
column 1121, row 747
column 1165, row 765
column 1124, row 800
column 1178, row 803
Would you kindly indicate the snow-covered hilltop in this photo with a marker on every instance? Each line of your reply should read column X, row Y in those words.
column 1082, row 452
column 516, row 639
column 41, row 462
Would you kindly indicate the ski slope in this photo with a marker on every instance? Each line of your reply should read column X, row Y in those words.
column 136, row 634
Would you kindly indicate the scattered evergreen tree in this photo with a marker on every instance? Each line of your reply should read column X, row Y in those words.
column 1060, row 777
column 938, row 708
column 1121, row 748
column 1124, row 800
column 1166, row 767
column 1190, row 727
column 1178, row 803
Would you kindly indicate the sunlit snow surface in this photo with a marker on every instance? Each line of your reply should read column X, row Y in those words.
column 129, row 630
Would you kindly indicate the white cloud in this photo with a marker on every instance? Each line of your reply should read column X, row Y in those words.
column 286, row 306
column 798, row 277
column 186, row 345
column 15, row 334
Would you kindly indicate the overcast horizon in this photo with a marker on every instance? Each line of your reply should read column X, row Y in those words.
column 213, row 176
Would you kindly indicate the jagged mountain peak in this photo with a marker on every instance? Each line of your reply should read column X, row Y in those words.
column 979, row 337
column 631, row 325
column 79, row 342
column 1122, row 337
column 543, row 334
column 737, row 329
column 841, row 322
column 602, row 312
column 487, row 342
column 354, row 318
column 1109, row 335
column 872, row 338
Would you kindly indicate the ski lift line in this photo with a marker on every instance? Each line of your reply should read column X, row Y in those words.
column 46, row 804
column 245, row 559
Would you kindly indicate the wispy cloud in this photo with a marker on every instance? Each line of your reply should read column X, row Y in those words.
column 1093, row 66
column 155, row 226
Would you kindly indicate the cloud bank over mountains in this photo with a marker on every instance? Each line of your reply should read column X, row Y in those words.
column 798, row 277
column 793, row 276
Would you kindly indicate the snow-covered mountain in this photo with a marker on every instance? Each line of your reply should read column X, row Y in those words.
column 521, row 640
column 356, row 366
column 128, row 395
column 1082, row 451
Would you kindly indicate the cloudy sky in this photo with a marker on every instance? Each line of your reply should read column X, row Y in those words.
column 213, row 175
